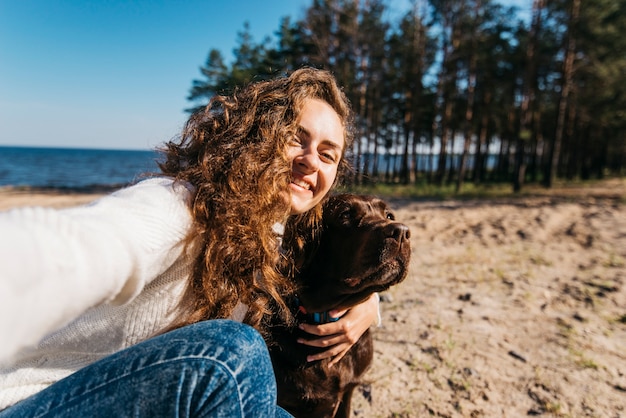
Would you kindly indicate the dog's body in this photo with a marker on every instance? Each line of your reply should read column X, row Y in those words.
column 361, row 250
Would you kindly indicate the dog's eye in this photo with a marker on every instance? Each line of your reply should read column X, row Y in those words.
column 391, row 216
column 344, row 215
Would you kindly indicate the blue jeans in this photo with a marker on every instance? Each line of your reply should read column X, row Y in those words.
column 215, row 368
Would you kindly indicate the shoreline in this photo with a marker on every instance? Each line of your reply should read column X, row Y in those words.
column 89, row 189
column 12, row 197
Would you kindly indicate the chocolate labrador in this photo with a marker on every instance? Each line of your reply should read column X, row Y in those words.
column 361, row 250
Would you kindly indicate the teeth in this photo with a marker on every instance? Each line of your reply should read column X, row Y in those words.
column 302, row 184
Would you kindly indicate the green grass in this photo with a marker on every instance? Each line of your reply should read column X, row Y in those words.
column 426, row 190
column 470, row 190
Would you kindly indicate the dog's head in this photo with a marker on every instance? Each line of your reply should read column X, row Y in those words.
column 362, row 249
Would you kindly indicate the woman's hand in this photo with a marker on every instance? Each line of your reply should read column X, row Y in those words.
column 341, row 335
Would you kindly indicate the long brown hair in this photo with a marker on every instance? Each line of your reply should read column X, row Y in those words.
column 234, row 154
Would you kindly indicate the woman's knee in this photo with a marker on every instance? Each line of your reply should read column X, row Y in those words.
column 231, row 335
column 242, row 355
column 235, row 344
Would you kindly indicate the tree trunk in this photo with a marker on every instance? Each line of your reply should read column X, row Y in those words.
column 471, row 94
column 568, row 75
column 528, row 97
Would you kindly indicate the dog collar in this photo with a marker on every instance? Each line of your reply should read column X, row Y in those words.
column 313, row 317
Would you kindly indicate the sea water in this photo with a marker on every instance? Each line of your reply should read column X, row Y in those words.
column 73, row 168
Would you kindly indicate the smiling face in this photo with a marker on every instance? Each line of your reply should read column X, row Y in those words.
column 315, row 154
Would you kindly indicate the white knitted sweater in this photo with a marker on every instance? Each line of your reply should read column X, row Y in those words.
column 81, row 283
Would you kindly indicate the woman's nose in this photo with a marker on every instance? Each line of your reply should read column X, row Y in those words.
column 309, row 159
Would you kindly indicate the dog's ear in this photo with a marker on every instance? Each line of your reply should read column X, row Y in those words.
column 338, row 210
column 304, row 246
column 309, row 250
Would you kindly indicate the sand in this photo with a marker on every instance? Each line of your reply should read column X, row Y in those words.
column 512, row 307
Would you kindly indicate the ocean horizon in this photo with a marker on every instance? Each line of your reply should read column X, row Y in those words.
column 73, row 168
column 85, row 169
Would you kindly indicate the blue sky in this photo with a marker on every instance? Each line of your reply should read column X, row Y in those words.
column 115, row 73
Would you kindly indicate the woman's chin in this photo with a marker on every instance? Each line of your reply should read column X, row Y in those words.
column 300, row 203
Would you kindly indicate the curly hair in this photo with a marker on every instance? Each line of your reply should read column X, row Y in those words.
column 234, row 154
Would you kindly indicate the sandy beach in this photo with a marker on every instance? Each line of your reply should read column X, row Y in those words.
column 512, row 307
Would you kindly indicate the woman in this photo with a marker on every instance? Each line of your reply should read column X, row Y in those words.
column 104, row 309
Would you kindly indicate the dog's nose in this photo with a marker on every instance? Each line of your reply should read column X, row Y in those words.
column 399, row 231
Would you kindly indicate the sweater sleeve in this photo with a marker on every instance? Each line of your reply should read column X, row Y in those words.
column 55, row 264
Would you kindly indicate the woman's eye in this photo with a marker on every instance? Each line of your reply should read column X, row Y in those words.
column 328, row 157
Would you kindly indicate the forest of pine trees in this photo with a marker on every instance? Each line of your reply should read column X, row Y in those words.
column 456, row 91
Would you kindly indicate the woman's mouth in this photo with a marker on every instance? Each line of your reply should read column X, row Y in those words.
column 302, row 184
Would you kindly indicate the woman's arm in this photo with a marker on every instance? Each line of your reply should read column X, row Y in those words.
column 55, row 264
column 341, row 335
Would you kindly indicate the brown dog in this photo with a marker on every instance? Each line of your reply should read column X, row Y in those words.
column 361, row 250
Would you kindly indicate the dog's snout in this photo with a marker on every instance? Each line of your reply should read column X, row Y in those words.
column 398, row 231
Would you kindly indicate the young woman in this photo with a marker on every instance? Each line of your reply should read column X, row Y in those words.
column 151, row 301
